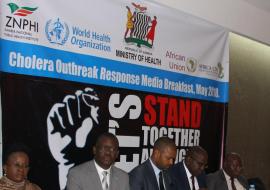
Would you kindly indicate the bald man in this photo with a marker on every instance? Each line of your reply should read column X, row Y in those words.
column 228, row 178
column 189, row 174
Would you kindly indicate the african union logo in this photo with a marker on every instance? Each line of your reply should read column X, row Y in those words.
column 220, row 70
column 57, row 32
column 191, row 64
column 21, row 11
column 140, row 28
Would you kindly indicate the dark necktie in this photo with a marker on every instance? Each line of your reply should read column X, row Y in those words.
column 232, row 183
column 161, row 185
column 193, row 182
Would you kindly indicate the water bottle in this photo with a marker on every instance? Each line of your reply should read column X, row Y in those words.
column 251, row 187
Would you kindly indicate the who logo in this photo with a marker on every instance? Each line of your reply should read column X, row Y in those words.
column 57, row 31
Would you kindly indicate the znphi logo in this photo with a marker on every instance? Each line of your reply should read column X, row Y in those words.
column 140, row 28
column 20, row 11
column 57, row 32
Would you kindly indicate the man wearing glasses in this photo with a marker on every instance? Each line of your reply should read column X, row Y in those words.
column 189, row 174
column 100, row 173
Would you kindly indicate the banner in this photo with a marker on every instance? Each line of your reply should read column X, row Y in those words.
column 137, row 69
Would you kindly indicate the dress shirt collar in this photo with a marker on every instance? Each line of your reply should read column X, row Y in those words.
column 100, row 170
column 196, row 184
column 156, row 169
column 237, row 183
column 228, row 178
column 187, row 171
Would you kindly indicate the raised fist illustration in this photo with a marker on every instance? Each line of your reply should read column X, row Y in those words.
column 68, row 125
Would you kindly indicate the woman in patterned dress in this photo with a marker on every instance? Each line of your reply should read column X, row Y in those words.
column 16, row 167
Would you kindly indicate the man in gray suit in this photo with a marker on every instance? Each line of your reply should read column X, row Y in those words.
column 99, row 173
column 152, row 174
column 228, row 178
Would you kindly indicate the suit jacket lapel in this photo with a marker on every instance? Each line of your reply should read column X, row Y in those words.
column 151, row 174
column 114, row 180
column 223, row 182
column 242, row 182
column 93, row 174
column 184, row 174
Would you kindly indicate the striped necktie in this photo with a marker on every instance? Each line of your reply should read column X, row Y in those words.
column 232, row 183
column 193, row 182
column 104, row 182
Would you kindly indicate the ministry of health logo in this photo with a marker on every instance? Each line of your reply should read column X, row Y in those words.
column 140, row 28
column 21, row 11
column 57, row 31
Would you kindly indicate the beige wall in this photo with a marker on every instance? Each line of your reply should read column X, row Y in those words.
column 249, row 106
column 247, row 17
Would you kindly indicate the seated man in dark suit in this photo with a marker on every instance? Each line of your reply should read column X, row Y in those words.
column 228, row 178
column 152, row 174
column 189, row 174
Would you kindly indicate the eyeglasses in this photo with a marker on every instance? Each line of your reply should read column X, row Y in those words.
column 107, row 149
column 200, row 164
column 237, row 166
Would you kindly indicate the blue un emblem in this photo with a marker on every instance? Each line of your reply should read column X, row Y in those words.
column 57, row 32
